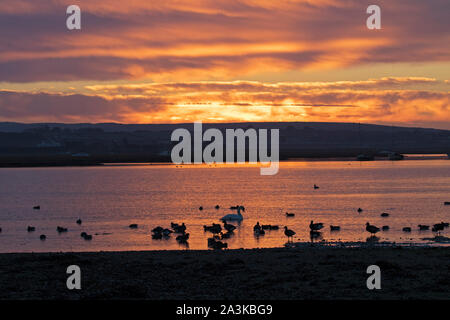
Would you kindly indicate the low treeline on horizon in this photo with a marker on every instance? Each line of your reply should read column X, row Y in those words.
column 88, row 144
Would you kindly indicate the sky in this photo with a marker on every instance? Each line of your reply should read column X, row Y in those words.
column 163, row 61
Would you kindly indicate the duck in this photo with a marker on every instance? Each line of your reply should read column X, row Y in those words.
column 42, row 237
column 214, row 228
column 133, row 226
column 166, row 232
column 385, row 214
column 423, row 227
column 256, row 227
column 385, row 228
column 31, row 229
column 228, row 227
column 447, row 203
column 79, row 221
column 289, row 233
column 37, row 207
column 360, row 210
column 316, row 187
column 335, row 228
column 406, row 229
column 233, row 217
column 200, row 208
column 371, row 228
column 288, row 214
column 315, row 226
column 61, row 229
column 87, row 237
column 273, row 227
column 217, row 207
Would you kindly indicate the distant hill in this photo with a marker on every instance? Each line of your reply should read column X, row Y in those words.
column 118, row 127
column 85, row 143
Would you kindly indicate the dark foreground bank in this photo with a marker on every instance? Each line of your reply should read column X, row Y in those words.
column 305, row 273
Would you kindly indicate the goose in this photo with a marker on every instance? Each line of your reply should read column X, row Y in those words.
column 157, row 235
column 372, row 229
column 37, row 207
column 183, row 237
column 83, row 234
column 233, row 217
column 360, row 210
column 31, row 229
column 335, row 228
column 158, row 229
column 438, row 227
column 180, row 229
column 226, row 235
column 257, row 227
column 260, row 232
column 79, row 221
column 133, row 226
column 42, row 237
column 385, row 214
column 228, row 227
column 218, row 245
column 385, row 228
column 423, row 227
column 290, row 214
column 289, row 233
column 316, row 187
column 315, row 226
column 406, row 229
column 211, row 242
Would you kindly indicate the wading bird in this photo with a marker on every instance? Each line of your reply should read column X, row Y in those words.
column 289, row 233
column 372, row 229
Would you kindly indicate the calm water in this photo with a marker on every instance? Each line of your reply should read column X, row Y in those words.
column 110, row 198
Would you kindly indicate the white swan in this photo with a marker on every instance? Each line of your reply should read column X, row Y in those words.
column 233, row 217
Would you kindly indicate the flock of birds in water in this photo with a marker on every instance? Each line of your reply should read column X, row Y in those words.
column 221, row 232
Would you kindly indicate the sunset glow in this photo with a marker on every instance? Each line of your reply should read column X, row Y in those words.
column 222, row 61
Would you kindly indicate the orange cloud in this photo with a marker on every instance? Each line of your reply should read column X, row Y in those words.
column 385, row 100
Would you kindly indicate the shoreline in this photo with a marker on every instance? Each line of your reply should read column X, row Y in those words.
column 168, row 162
column 250, row 274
